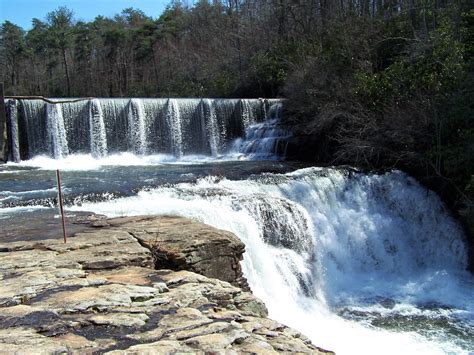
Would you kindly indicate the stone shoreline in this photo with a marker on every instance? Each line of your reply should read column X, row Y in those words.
column 133, row 285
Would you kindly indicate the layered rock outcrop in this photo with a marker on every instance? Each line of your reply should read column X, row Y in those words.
column 193, row 246
column 100, row 292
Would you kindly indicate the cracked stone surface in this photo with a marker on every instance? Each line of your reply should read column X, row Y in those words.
column 193, row 246
column 100, row 292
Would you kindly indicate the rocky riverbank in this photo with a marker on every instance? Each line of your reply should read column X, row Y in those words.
column 134, row 285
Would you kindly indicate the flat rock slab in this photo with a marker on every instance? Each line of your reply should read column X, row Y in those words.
column 100, row 292
column 37, row 225
column 182, row 244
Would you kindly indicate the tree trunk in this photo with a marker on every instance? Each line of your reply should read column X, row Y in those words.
column 341, row 9
column 366, row 8
column 155, row 68
column 379, row 7
column 66, row 68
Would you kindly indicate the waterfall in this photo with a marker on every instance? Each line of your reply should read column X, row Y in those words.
column 212, row 128
column 57, row 138
column 276, row 107
column 15, row 139
column 373, row 259
column 173, row 117
column 105, row 126
column 264, row 103
column 34, row 114
column 137, row 130
column 247, row 113
column 338, row 254
column 98, row 138
column 265, row 140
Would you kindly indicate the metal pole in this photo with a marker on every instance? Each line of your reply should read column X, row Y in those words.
column 61, row 209
column 3, row 127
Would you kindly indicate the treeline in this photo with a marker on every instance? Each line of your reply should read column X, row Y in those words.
column 215, row 48
column 375, row 83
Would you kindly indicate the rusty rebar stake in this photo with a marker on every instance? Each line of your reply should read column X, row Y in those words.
column 61, row 209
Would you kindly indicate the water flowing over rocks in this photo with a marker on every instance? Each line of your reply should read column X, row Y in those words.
column 100, row 291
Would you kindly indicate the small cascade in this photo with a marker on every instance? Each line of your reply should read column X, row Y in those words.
column 15, row 139
column 137, row 130
column 173, row 117
column 57, row 138
column 98, row 138
column 276, row 106
column 212, row 127
column 157, row 130
column 265, row 140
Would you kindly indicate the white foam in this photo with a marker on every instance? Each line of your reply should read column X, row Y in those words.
column 79, row 162
column 10, row 211
column 29, row 192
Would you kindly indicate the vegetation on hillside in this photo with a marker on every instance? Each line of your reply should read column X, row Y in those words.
column 380, row 83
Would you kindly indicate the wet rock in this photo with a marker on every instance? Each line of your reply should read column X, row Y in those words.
column 100, row 293
column 218, row 341
column 120, row 319
column 159, row 347
column 182, row 244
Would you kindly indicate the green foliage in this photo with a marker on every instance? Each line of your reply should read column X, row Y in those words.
column 432, row 73
column 170, row 22
column 433, row 67
column 269, row 71
column 60, row 28
column 12, row 40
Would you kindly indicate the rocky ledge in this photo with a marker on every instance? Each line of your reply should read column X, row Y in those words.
column 133, row 285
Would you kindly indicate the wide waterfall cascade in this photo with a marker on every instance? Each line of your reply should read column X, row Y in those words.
column 103, row 126
column 360, row 263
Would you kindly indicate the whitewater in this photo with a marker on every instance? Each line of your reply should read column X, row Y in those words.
column 359, row 263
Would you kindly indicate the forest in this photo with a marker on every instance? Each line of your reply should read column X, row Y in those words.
column 377, row 84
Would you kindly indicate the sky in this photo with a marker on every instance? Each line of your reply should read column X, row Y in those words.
column 21, row 12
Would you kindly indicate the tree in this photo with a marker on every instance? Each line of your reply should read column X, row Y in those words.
column 13, row 47
column 60, row 33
